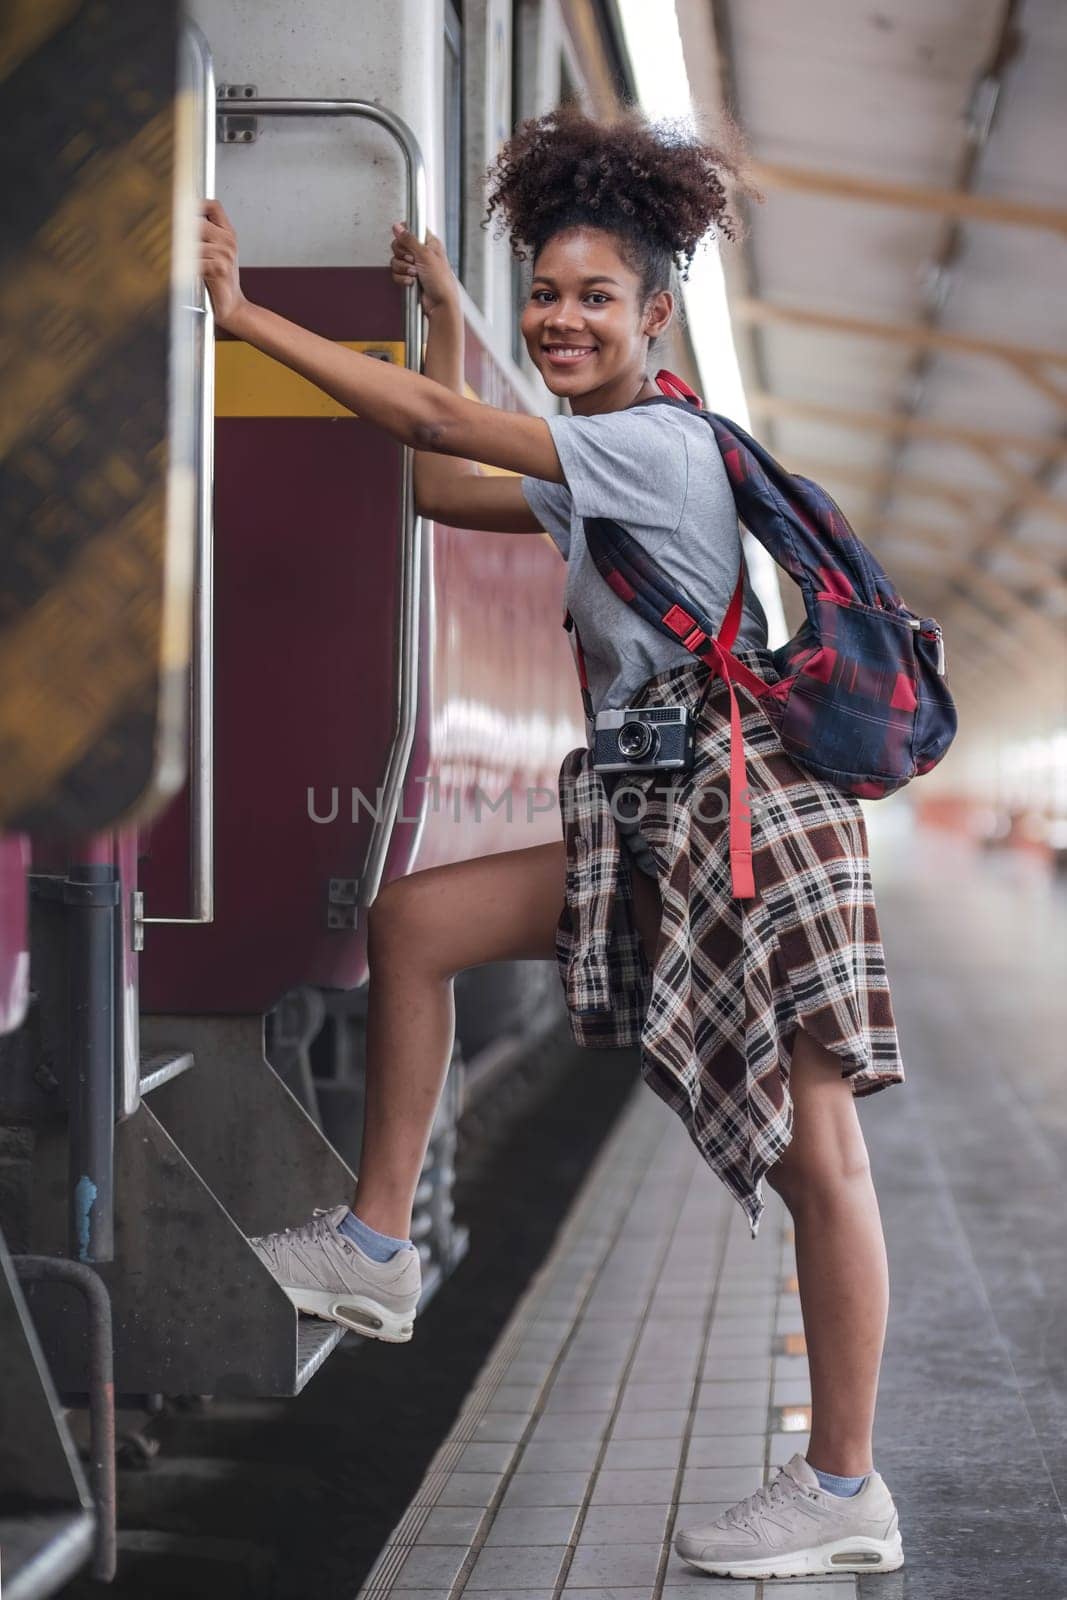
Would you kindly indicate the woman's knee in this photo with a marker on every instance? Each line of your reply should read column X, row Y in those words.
column 822, row 1170
column 400, row 922
column 385, row 918
column 827, row 1154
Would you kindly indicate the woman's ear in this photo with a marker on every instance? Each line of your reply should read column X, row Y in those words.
column 658, row 313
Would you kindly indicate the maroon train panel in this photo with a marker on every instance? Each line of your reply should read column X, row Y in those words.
column 307, row 524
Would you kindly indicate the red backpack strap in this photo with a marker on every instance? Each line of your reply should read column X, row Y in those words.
column 713, row 653
column 716, row 654
column 677, row 388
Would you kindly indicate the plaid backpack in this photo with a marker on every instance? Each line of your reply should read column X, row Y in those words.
column 861, row 700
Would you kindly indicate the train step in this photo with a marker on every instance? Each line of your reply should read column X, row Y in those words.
column 208, row 1159
column 42, row 1550
column 314, row 1341
column 160, row 1066
column 194, row 1310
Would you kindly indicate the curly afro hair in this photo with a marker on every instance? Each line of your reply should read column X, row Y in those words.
column 657, row 187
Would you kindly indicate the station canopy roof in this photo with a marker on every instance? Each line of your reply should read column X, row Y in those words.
column 899, row 301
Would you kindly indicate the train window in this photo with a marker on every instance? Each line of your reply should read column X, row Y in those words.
column 525, row 31
column 453, row 131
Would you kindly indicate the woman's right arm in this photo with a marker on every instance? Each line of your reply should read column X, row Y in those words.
column 447, row 488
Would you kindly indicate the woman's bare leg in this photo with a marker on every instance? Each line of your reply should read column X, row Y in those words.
column 423, row 929
column 824, row 1177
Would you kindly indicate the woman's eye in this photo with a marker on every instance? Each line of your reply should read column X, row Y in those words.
column 597, row 295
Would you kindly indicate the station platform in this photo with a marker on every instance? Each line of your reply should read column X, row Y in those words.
column 655, row 1370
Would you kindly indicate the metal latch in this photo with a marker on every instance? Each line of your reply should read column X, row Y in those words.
column 232, row 128
column 343, row 906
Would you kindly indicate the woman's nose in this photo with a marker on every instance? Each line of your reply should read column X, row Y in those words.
column 563, row 316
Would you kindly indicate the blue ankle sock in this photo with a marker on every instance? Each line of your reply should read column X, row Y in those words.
column 836, row 1485
column 379, row 1246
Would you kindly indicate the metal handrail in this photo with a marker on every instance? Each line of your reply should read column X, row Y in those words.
column 407, row 642
column 202, row 664
column 100, row 1386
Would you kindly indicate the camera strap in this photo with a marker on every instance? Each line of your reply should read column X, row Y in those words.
column 639, row 584
column 715, row 654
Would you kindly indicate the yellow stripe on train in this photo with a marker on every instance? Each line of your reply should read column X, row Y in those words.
column 250, row 384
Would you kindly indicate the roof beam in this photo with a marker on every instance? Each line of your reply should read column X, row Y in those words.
column 1025, row 685
column 991, row 635
column 1034, row 627
column 968, row 504
column 1006, row 608
column 989, row 444
column 912, row 197
column 1043, row 568
column 1028, row 361
column 1027, row 491
column 879, row 479
column 998, row 593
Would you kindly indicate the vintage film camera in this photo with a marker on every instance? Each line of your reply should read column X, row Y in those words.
column 643, row 739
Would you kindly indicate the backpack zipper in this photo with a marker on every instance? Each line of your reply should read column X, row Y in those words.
column 940, row 651
column 932, row 633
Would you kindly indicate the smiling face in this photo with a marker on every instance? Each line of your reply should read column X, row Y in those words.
column 586, row 325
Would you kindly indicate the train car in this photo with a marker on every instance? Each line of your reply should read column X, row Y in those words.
column 250, row 683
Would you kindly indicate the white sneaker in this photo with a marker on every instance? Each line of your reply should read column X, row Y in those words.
column 328, row 1276
column 793, row 1528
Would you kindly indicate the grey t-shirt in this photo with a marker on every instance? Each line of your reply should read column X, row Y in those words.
column 656, row 470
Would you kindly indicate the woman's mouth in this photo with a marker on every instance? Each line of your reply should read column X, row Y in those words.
column 567, row 355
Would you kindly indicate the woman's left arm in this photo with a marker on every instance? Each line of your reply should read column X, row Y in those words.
column 413, row 409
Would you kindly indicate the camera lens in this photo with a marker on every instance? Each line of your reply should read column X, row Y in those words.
column 635, row 740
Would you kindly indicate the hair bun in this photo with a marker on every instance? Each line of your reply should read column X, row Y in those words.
column 656, row 183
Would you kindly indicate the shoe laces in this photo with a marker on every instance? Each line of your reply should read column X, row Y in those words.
column 777, row 1492
column 317, row 1231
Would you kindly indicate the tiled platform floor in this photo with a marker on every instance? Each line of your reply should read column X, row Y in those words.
column 648, row 1373
column 630, row 1390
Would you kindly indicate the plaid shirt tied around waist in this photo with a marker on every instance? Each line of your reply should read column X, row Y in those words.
column 715, row 1012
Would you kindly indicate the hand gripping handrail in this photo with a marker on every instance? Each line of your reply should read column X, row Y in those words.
column 407, row 636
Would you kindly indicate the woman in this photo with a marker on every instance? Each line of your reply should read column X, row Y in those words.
column 606, row 210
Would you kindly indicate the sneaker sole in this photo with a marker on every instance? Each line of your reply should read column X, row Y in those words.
column 356, row 1312
column 840, row 1555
